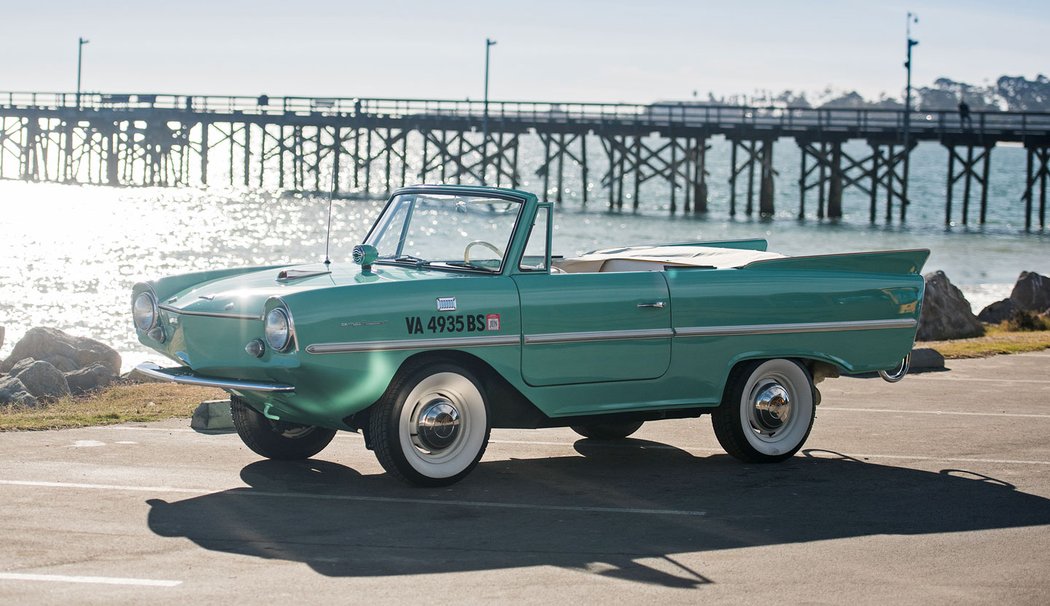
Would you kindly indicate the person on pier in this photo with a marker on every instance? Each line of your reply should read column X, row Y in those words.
column 965, row 121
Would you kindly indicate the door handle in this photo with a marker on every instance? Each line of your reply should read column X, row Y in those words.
column 653, row 305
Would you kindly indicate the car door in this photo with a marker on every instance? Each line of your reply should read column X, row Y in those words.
column 594, row 327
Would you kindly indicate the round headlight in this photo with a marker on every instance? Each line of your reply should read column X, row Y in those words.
column 144, row 311
column 278, row 329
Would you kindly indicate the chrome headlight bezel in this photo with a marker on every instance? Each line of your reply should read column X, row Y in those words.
column 148, row 305
column 278, row 331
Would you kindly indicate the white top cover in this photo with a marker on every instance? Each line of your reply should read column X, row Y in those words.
column 655, row 258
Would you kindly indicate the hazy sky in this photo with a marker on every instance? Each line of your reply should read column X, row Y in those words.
column 607, row 50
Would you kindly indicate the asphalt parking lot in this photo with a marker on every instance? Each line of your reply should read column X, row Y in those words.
column 933, row 490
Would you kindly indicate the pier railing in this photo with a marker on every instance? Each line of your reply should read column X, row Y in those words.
column 788, row 120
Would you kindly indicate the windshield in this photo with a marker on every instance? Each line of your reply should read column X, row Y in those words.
column 460, row 231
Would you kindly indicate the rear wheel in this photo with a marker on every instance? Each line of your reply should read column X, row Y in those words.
column 767, row 412
column 432, row 426
column 277, row 439
column 607, row 431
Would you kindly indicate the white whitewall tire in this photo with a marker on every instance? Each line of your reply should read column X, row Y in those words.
column 767, row 412
column 432, row 427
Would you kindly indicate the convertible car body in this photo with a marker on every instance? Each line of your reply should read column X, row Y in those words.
column 456, row 318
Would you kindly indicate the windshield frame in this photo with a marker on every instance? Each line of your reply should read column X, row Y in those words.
column 473, row 192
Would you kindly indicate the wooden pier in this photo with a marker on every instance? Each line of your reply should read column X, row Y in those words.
column 371, row 146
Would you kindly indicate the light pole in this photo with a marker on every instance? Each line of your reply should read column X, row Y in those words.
column 80, row 55
column 489, row 43
column 912, row 18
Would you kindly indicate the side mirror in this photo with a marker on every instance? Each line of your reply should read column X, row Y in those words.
column 365, row 255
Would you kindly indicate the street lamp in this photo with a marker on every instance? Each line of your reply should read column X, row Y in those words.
column 80, row 55
column 912, row 18
column 489, row 43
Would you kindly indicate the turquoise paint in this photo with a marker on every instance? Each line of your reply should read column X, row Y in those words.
column 392, row 303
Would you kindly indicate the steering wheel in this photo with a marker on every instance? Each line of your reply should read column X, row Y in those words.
column 492, row 247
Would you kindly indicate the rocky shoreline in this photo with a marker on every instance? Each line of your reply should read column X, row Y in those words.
column 47, row 364
column 947, row 315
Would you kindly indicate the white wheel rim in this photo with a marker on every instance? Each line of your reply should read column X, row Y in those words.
column 776, row 407
column 459, row 446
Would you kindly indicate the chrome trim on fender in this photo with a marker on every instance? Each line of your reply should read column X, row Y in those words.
column 772, row 329
column 600, row 335
column 207, row 314
column 448, row 343
column 188, row 377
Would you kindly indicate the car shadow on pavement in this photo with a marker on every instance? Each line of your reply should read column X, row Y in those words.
column 621, row 511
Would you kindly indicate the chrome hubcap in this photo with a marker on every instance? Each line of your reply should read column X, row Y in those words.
column 438, row 424
column 770, row 408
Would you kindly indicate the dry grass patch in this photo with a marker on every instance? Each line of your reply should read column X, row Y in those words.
column 119, row 403
column 997, row 340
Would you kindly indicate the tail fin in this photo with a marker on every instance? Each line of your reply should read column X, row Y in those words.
column 882, row 262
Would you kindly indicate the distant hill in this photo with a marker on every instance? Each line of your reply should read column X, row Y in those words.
column 1009, row 93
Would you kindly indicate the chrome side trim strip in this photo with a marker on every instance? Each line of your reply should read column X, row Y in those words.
column 601, row 335
column 188, row 377
column 772, row 329
column 446, row 343
column 207, row 314
column 608, row 335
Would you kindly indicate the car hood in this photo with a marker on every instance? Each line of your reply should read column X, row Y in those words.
column 244, row 295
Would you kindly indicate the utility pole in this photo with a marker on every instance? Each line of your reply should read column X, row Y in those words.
column 489, row 43
column 80, row 56
column 912, row 18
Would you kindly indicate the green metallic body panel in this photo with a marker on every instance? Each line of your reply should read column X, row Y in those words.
column 750, row 244
column 568, row 304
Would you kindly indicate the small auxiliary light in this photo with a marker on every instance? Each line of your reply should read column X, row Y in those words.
column 255, row 348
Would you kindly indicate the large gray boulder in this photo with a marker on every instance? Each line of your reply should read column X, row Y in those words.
column 65, row 352
column 998, row 311
column 89, row 379
column 1031, row 292
column 12, row 391
column 946, row 313
column 41, row 379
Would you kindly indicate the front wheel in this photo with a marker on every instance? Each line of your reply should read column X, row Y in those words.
column 607, row 431
column 432, row 426
column 767, row 412
column 277, row 439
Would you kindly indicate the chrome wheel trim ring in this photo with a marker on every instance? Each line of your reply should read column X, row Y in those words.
column 437, row 424
column 770, row 409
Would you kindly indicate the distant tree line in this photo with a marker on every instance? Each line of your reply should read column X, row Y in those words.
column 1009, row 93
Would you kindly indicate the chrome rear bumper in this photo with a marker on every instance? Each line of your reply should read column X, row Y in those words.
column 186, row 376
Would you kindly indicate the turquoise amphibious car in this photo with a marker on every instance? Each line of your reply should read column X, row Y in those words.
column 455, row 318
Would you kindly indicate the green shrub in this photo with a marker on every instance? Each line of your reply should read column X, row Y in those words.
column 1027, row 321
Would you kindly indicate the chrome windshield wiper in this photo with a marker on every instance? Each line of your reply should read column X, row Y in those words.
column 469, row 265
column 407, row 259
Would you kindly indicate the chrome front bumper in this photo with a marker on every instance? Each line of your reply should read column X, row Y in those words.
column 184, row 375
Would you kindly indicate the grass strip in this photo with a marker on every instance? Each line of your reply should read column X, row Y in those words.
column 996, row 341
column 119, row 403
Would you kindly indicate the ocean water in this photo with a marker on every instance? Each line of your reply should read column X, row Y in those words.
column 70, row 254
